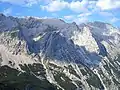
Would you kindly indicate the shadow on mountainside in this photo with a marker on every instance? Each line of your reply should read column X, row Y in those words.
column 57, row 47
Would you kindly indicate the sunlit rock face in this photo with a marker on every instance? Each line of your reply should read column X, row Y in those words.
column 50, row 54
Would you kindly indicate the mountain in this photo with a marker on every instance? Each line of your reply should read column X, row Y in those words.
column 50, row 54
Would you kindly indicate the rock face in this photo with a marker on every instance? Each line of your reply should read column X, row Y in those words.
column 49, row 54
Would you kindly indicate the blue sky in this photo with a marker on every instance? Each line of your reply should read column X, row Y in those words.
column 69, row 10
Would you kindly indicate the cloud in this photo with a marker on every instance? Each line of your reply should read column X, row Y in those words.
column 58, row 5
column 114, row 20
column 85, row 14
column 21, row 2
column 92, row 4
column 55, row 6
column 7, row 11
column 69, row 17
column 108, row 4
column 78, row 6
column 109, row 16
column 46, row 17
column 81, row 20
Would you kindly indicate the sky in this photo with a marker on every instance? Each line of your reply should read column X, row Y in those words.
column 78, row 11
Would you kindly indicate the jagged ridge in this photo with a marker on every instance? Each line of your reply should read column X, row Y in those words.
column 73, row 57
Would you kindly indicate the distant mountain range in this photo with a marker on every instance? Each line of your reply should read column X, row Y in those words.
column 50, row 54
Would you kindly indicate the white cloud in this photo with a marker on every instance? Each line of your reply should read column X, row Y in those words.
column 114, row 19
column 108, row 4
column 46, row 17
column 92, row 4
column 81, row 20
column 83, row 17
column 7, row 11
column 55, row 6
column 85, row 14
column 31, row 2
column 21, row 2
column 78, row 6
column 109, row 16
column 69, row 17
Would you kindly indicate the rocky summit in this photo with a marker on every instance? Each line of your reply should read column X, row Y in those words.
column 50, row 54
